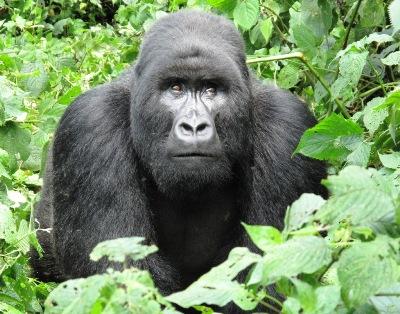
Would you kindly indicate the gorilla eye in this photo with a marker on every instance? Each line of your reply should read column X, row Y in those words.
column 211, row 90
column 177, row 88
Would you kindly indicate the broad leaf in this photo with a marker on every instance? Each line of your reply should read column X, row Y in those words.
column 388, row 300
column 300, row 212
column 266, row 28
column 15, row 140
column 358, row 194
column 223, row 5
column 117, row 250
column 374, row 118
column 37, row 78
column 372, row 13
column 331, row 139
column 392, row 59
column 391, row 161
column 246, row 13
column 360, row 156
column 264, row 236
column 217, row 286
column 296, row 256
column 357, row 264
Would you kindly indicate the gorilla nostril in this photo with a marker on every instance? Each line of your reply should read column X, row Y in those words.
column 186, row 128
column 201, row 128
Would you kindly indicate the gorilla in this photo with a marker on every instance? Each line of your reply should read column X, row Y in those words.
column 179, row 149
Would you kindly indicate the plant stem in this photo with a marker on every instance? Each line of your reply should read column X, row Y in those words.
column 376, row 88
column 269, row 306
column 346, row 38
column 302, row 58
column 297, row 55
column 269, row 297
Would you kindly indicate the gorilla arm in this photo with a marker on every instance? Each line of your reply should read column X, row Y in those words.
column 91, row 189
column 278, row 178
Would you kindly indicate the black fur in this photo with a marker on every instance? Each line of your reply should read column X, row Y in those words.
column 108, row 175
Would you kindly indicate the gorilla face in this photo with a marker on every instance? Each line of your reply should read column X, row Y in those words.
column 190, row 113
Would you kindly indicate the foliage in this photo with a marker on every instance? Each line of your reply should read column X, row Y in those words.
column 128, row 291
column 342, row 57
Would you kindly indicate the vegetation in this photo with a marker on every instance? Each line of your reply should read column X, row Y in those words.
column 339, row 255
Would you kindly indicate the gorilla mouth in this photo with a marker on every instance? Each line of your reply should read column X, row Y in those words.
column 193, row 155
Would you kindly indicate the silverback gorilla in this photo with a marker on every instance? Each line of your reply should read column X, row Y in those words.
column 179, row 149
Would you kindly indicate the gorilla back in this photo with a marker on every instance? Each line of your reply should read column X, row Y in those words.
column 180, row 149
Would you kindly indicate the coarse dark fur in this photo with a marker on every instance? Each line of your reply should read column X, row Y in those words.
column 108, row 175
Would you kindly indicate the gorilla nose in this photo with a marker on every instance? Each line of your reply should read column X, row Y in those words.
column 194, row 131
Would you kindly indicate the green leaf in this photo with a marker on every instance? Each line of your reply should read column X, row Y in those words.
column 7, row 224
column 298, row 255
column 305, row 39
column 223, row 5
column 289, row 76
column 70, row 95
column 217, row 286
column 358, row 262
column 392, row 59
column 352, row 64
column 373, row 119
column 15, row 140
column 4, row 172
column 8, row 309
column 256, row 38
column 246, row 13
column 378, row 38
column 37, row 78
column 310, row 22
column 117, row 250
column 266, row 28
column 328, row 298
column 392, row 100
column 372, row 13
column 291, row 306
column 361, row 195
column 76, row 296
column 11, row 102
column 321, row 300
column 263, row 236
column 300, row 212
column 305, row 294
column 331, row 139
column 388, row 300
column 391, row 161
column 130, row 291
column 360, row 156
column 22, row 237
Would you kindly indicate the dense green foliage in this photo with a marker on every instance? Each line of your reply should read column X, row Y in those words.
column 339, row 255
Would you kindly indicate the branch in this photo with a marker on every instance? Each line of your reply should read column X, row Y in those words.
column 293, row 55
column 346, row 38
column 302, row 58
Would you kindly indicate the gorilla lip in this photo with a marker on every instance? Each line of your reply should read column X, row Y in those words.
column 193, row 155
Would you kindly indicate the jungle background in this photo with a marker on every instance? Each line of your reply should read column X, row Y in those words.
column 342, row 57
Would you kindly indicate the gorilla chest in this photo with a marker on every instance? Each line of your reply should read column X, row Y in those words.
column 195, row 234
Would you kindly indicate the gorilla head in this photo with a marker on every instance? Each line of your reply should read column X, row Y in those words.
column 190, row 110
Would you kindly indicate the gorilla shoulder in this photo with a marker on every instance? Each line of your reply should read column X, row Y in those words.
column 281, row 107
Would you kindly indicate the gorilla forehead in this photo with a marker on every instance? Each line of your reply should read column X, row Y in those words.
column 205, row 65
column 193, row 40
